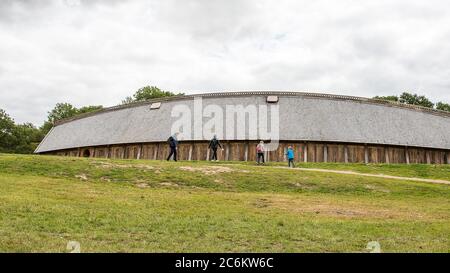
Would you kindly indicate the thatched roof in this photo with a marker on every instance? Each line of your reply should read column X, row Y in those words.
column 303, row 116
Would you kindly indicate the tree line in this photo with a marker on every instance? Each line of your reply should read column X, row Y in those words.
column 24, row 138
column 414, row 99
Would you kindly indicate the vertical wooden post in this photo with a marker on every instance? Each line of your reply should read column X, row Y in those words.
column 246, row 151
column 155, row 153
column 345, row 153
column 305, row 153
column 227, row 152
column 386, row 153
column 427, row 154
column 139, row 152
column 191, row 147
column 407, row 155
column 366, row 154
column 325, row 153
column 207, row 154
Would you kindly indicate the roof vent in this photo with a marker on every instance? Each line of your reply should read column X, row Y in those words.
column 155, row 105
column 272, row 99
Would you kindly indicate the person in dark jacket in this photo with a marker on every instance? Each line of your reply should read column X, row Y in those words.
column 173, row 144
column 213, row 145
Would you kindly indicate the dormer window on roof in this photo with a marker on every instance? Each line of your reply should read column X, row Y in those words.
column 272, row 99
column 155, row 105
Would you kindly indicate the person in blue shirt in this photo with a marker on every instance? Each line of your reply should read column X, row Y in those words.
column 290, row 156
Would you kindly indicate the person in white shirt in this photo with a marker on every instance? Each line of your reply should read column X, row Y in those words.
column 260, row 152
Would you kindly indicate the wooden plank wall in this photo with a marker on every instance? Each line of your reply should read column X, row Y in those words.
column 117, row 152
column 199, row 151
column 252, row 151
column 438, row 157
column 418, row 156
column 356, row 153
column 101, row 152
column 376, row 154
column 396, row 155
column 336, row 153
column 246, row 151
column 149, row 151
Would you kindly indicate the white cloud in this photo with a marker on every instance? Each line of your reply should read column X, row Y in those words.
column 98, row 52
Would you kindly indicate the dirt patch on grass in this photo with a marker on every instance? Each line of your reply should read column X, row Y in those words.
column 210, row 170
column 304, row 186
column 261, row 203
column 343, row 209
column 376, row 188
column 109, row 165
column 168, row 184
column 143, row 166
column 82, row 177
column 142, row 185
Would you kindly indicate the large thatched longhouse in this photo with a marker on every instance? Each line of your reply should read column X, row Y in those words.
column 320, row 127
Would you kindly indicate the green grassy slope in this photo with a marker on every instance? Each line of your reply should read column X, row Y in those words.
column 155, row 206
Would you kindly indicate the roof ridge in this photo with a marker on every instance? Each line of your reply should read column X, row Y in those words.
column 249, row 93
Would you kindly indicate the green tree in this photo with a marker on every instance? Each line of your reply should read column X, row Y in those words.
column 63, row 111
column 128, row 100
column 415, row 99
column 26, row 137
column 89, row 109
column 147, row 93
column 60, row 111
column 7, row 127
column 388, row 98
column 443, row 106
column 22, row 138
column 46, row 127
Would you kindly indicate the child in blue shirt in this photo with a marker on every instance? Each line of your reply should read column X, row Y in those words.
column 290, row 156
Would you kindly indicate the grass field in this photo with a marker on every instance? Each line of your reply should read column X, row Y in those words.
column 155, row 206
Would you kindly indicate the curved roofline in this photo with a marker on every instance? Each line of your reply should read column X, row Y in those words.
column 266, row 93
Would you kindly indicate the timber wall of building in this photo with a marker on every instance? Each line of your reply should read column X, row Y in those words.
column 246, row 151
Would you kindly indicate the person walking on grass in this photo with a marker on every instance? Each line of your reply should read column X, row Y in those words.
column 260, row 153
column 213, row 145
column 290, row 156
column 173, row 144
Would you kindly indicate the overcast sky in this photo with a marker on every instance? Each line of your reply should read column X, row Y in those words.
column 98, row 52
